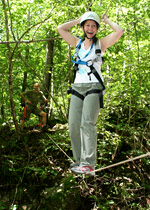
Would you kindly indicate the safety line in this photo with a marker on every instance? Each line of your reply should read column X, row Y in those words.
column 106, row 167
column 122, row 162
column 108, row 7
column 60, row 148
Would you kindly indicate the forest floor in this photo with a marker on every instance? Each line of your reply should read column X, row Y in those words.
column 35, row 174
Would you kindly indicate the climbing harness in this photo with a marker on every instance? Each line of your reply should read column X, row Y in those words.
column 24, row 115
column 90, row 63
column 74, row 92
column 25, row 111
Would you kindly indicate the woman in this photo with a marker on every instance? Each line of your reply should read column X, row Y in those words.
column 87, row 88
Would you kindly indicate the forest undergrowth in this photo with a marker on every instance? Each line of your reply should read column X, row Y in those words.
column 35, row 173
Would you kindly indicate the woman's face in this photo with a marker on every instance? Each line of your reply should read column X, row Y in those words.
column 90, row 28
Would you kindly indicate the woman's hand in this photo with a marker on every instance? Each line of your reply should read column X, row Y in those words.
column 105, row 18
column 112, row 38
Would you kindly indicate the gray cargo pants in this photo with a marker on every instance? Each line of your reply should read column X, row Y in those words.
column 83, row 115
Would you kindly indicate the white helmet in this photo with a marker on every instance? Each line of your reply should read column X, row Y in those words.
column 90, row 16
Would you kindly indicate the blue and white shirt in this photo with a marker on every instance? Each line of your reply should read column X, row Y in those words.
column 82, row 74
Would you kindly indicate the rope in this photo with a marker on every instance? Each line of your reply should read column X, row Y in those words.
column 108, row 7
column 60, row 149
column 106, row 167
column 122, row 162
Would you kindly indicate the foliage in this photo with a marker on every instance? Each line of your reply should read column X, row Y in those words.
column 34, row 164
column 35, row 172
column 126, row 65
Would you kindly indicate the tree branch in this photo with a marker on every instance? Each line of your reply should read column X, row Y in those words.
column 29, row 41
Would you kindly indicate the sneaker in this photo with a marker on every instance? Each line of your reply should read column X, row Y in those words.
column 74, row 164
column 88, row 170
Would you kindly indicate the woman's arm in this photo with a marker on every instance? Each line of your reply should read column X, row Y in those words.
column 113, row 37
column 66, row 35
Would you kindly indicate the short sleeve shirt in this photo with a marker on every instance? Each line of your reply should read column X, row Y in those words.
column 34, row 97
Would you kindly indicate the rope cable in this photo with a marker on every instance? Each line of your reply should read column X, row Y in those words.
column 60, row 148
column 106, row 167
column 108, row 7
column 122, row 162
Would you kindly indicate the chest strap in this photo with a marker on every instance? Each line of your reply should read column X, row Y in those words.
column 89, row 63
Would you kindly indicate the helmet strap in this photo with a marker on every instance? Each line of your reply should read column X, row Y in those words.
column 93, row 38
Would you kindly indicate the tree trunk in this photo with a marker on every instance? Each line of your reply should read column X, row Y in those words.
column 48, row 68
column 24, row 84
column 10, row 70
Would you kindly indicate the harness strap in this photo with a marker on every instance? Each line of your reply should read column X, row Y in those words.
column 101, row 97
column 90, row 62
column 93, row 70
column 74, row 92
column 25, row 111
column 76, row 54
column 98, row 52
column 24, row 115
